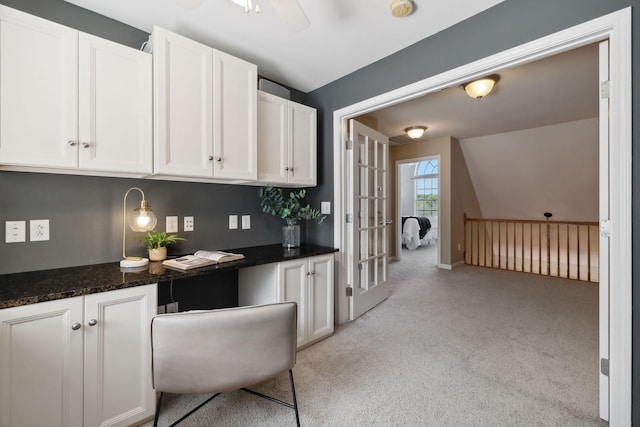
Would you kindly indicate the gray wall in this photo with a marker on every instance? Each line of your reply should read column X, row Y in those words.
column 504, row 26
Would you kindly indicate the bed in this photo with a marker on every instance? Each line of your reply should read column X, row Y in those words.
column 417, row 231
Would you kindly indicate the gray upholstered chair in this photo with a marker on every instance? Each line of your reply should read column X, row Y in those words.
column 222, row 350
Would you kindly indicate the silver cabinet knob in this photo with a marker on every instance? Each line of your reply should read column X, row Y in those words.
column 286, row 169
column 389, row 221
column 71, row 143
column 93, row 322
column 76, row 326
column 85, row 145
column 219, row 159
column 210, row 158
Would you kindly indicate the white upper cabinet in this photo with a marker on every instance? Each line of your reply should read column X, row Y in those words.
column 38, row 92
column 115, row 107
column 287, row 142
column 205, row 110
column 72, row 101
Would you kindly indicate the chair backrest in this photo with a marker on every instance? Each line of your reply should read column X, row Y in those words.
column 222, row 350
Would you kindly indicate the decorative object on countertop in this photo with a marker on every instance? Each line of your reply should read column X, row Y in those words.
column 140, row 219
column 290, row 209
column 157, row 242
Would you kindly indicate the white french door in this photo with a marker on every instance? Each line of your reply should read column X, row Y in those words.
column 367, row 224
column 604, row 215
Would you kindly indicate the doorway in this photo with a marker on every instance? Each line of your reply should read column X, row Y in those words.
column 617, row 28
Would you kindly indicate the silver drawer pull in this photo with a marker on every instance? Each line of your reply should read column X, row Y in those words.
column 93, row 322
column 76, row 326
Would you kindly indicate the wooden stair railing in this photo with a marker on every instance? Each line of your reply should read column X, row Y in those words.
column 568, row 249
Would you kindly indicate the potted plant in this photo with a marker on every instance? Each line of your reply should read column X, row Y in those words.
column 157, row 242
column 289, row 208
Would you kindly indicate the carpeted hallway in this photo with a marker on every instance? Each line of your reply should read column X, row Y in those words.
column 468, row 347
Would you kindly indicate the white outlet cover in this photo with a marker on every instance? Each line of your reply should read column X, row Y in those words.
column 325, row 208
column 246, row 222
column 233, row 222
column 189, row 223
column 38, row 230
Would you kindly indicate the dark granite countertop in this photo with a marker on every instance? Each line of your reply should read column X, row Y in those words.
column 46, row 285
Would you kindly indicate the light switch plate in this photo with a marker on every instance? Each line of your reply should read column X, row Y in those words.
column 172, row 224
column 246, row 222
column 15, row 231
column 325, row 208
column 233, row 222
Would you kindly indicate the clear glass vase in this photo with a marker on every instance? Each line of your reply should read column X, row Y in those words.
column 291, row 236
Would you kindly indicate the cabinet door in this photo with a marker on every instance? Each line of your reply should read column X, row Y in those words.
column 234, row 118
column 115, row 107
column 41, row 364
column 302, row 145
column 320, row 297
column 273, row 139
column 117, row 383
column 38, row 92
column 183, row 105
column 292, row 282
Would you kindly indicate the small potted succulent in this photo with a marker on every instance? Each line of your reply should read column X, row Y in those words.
column 290, row 209
column 157, row 242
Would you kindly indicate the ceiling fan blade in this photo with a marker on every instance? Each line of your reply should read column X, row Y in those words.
column 189, row 4
column 292, row 15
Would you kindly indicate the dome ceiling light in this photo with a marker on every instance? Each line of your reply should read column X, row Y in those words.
column 481, row 87
column 401, row 8
column 415, row 132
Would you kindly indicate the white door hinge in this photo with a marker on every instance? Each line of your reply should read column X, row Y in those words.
column 349, row 218
column 349, row 144
column 349, row 291
column 605, row 228
column 605, row 89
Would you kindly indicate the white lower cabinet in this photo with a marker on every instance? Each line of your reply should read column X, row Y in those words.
column 81, row 361
column 307, row 281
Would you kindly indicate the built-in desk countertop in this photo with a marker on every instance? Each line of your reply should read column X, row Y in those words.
column 46, row 285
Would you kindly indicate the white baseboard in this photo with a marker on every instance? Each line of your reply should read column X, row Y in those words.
column 451, row 266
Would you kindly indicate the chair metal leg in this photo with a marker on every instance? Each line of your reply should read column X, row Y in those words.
column 295, row 400
column 155, row 419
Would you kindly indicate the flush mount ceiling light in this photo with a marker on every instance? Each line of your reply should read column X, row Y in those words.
column 415, row 132
column 401, row 8
column 481, row 87
column 140, row 219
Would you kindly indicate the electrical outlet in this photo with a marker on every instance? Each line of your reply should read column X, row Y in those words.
column 246, row 222
column 189, row 223
column 172, row 307
column 161, row 309
column 15, row 231
column 233, row 222
column 38, row 230
column 172, row 224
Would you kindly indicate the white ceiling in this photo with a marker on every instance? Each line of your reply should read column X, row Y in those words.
column 558, row 89
column 344, row 35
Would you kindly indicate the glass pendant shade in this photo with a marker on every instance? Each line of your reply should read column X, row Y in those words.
column 142, row 218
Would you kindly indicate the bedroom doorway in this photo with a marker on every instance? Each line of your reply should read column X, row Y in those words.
column 418, row 208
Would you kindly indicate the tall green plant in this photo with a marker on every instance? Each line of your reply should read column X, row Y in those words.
column 290, row 207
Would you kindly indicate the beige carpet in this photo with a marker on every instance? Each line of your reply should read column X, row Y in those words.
column 468, row 347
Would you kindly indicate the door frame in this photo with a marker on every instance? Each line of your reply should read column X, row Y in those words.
column 398, row 207
column 616, row 27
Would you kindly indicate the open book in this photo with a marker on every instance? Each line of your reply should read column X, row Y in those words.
column 200, row 259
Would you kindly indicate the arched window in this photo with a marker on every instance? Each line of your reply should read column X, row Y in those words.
column 426, row 179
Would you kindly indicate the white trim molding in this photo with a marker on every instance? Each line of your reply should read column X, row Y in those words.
column 616, row 27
